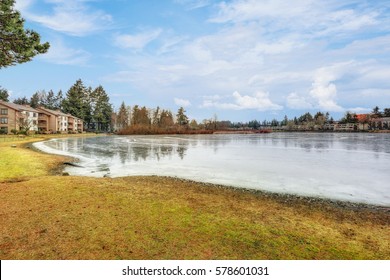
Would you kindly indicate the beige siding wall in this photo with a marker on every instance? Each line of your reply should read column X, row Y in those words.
column 11, row 116
column 53, row 126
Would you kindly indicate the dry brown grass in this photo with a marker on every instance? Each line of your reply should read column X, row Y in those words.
column 65, row 217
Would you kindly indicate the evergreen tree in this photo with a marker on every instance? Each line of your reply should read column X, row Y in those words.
column 123, row 117
column 4, row 95
column 376, row 112
column 320, row 119
column 35, row 100
column 50, row 101
column 156, row 117
column 89, row 102
column 182, row 119
column 193, row 124
column 166, row 119
column 17, row 45
column 77, row 103
column 386, row 112
column 135, row 115
column 305, row 118
column 349, row 118
column 22, row 101
column 102, row 109
column 144, row 117
column 254, row 124
column 285, row 120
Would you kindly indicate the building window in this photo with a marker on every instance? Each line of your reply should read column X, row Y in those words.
column 3, row 111
column 34, row 122
column 34, row 115
column 3, row 120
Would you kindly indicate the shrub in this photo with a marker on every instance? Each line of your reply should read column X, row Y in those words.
column 22, row 132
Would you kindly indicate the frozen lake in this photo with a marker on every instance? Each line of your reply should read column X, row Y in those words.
column 352, row 167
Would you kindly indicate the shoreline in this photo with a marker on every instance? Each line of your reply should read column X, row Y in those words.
column 290, row 197
column 280, row 197
column 157, row 217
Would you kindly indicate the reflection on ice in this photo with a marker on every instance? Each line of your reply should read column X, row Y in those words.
column 351, row 167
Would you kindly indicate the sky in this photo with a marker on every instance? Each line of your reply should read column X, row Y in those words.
column 238, row 60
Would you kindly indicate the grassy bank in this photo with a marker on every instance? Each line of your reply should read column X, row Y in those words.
column 46, row 216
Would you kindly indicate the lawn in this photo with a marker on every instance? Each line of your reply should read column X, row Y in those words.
column 48, row 216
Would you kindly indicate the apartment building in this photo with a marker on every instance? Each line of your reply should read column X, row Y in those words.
column 23, row 117
column 75, row 124
column 52, row 121
column 17, row 117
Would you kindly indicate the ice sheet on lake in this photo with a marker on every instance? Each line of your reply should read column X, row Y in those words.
column 352, row 167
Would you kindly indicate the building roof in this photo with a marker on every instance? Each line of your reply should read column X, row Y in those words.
column 52, row 112
column 18, row 107
column 41, row 109
column 362, row 117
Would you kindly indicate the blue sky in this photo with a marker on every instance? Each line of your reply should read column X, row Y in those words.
column 240, row 60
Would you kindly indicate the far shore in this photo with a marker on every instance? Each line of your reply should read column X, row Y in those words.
column 67, row 217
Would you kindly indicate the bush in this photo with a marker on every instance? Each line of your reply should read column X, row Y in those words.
column 22, row 132
column 14, row 131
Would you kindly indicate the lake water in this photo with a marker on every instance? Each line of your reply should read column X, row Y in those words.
column 351, row 167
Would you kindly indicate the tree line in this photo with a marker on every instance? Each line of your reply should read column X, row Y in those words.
column 91, row 105
column 142, row 120
column 307, row 121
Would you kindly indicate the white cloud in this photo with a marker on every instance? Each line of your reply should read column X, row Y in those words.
column 324, row 89
column 349, row 20
column 22, row 5
column 294, row 101
column 71, row 17
column 249, row 10
column 59, row 53
column 317, row 18
column 273, row 45
column 325, row 94
column 137, row 41
column 259, row 101
column 359, row 110
column 171, row 44
column 182, row 102
column 193, row 4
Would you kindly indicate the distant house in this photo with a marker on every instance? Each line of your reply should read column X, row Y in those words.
column 380, row 123
column 17, row 117
column 345, row 127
